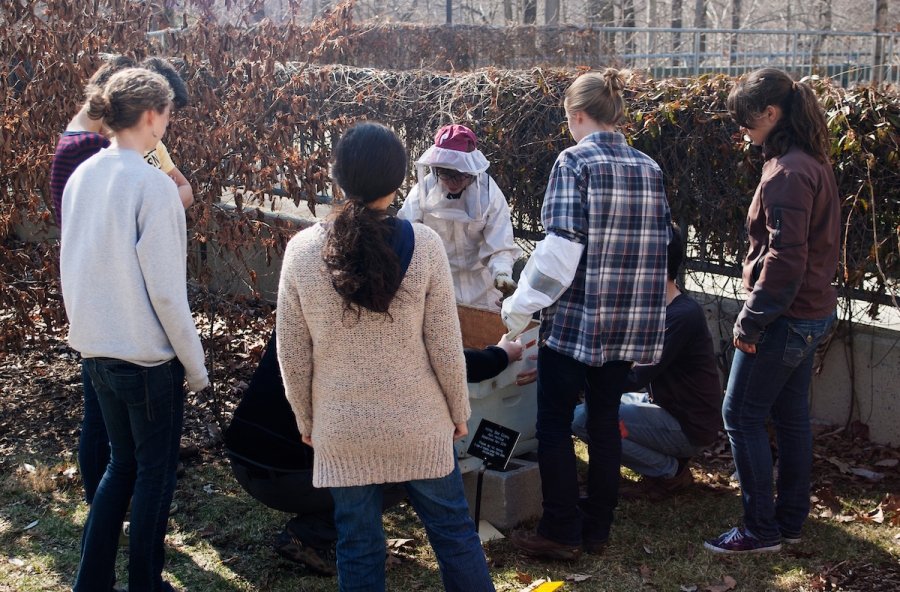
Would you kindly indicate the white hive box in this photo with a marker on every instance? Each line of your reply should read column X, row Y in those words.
column 498, row 399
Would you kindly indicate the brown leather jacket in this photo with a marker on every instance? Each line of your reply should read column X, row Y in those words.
column 794, row 223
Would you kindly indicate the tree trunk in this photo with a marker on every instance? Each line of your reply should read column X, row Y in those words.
column 628, row 21
column 676, row 24
column 735, row 25
column 507, row 10
column 881, row 25
column 449, row 12
column 529, row 14
column 551, row 12
column 700, row 23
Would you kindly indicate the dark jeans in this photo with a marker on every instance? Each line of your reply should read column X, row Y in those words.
column 293, row 492
column 93, row 446
column 568, row 519
column 774, row 382
column 143, row 410
column 442, row 507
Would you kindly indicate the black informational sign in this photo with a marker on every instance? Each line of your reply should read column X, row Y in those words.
column 493, row 443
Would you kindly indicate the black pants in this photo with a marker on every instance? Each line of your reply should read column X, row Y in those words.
column 293, row 492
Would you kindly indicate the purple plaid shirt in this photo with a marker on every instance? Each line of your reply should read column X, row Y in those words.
column 609, row 197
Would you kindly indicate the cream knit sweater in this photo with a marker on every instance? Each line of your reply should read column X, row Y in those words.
column 378, row 397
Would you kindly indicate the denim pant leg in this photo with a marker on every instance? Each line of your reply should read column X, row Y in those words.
column 143, row 409
column 442, row 507
column 360, row 546
column 775, row 380
column 602, row 394
column 655, row 439
column 93, row 445
column 560, row 379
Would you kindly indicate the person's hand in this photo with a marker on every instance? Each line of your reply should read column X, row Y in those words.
column 528, row 376
column 307, row 440
column 747, row 348
column 513, row 349
column 505, row 284
column 460, row 431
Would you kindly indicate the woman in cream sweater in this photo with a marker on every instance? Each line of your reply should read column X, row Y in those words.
column 371, row 354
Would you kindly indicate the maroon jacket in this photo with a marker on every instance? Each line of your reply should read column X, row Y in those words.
column 794, row 225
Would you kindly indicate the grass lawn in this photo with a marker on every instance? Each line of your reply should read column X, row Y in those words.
column 221, row 539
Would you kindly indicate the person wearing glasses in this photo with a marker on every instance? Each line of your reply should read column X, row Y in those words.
column 464, row 205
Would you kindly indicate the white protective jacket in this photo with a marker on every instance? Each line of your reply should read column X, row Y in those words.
column 476, row 230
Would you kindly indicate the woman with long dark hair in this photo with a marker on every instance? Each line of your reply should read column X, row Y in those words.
column 371, row 356
column 794, row 227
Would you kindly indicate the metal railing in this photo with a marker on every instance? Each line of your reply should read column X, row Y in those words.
column 848, row 57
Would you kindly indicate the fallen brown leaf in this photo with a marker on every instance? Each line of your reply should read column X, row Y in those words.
column 646, row 574
column 523, row 577
column 207, row 531
column 727, row 584
column 577, row 577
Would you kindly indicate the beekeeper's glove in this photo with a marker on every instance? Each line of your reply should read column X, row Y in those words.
column 505, row 284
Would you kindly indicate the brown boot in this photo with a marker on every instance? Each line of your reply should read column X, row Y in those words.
column 531, row 543
column 659, row 488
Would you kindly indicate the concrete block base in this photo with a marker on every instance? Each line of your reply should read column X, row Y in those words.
column 507, row 497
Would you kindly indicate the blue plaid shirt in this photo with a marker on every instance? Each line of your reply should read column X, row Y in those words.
column 609, row 197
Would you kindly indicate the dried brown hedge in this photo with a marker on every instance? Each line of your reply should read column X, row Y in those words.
column 265, row 111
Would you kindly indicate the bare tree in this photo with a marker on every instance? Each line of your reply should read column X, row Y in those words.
column 700, row 23
column 551, row 12
column 529, row 12
column 676, row 24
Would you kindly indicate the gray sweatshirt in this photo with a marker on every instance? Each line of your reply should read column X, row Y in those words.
column 123, row 265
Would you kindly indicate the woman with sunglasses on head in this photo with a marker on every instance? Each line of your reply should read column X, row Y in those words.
column 463, row 204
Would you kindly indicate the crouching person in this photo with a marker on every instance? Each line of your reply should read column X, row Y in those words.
column 272, row 464
column 680, row 414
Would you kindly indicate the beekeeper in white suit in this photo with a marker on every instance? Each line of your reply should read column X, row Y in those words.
column 463, row 204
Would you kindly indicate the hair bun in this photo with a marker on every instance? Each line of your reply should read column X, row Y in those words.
column 616, row 79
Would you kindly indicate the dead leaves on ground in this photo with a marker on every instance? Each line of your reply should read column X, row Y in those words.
column 827, row 505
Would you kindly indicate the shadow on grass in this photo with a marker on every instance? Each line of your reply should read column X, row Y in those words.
column 221, row 540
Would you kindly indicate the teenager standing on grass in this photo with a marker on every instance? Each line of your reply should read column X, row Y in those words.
column 372, row 361
column 599, row 278
column 123, row 270
column 81, row 140
column 794, row 227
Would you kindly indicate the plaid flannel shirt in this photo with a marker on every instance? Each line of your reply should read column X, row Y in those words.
column 609, row 197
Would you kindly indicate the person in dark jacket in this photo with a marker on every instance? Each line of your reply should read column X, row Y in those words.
column 272, row 464
column 794, row 225
column 681, row 413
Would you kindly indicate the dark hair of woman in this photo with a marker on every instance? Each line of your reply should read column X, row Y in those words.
column 802, row 122
column 112, row 64
column 368, row 163
column 167, row 71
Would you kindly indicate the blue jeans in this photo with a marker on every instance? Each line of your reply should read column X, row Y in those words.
column 143, row 409
column 774, row 382
column 655, row 439
column 567, row 519
column 93, row 446
column 442, row 507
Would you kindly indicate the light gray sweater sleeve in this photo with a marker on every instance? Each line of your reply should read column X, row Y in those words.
column 163, row 265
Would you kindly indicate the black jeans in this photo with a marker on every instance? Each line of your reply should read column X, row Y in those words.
column 293, row 492
column 568, row 519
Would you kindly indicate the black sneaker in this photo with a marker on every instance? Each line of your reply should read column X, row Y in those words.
column 319, row 561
